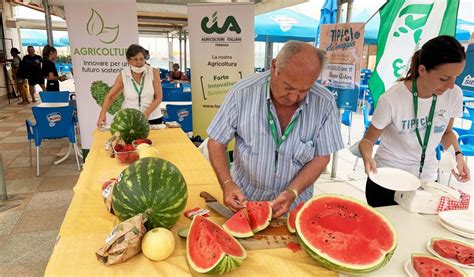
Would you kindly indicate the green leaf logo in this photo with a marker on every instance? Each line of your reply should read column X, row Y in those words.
column 96, row 27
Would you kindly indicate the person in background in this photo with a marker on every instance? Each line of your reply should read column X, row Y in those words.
column 33, row 67
column 17, row 75
column 417, row 113
column 177, row 75
column 285, row 126
column 50, row 72
column 141, row 86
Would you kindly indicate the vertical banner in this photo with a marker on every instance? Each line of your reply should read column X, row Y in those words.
column 405, row 25
column 221, row 42
column 466, row 79
column 343, row 44
column 100, row 33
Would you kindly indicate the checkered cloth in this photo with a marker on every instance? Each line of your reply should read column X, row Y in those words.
column 446, row 204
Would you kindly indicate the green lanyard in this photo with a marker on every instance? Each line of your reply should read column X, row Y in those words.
column 139, row 91
column 423, row 144
column 271, row 123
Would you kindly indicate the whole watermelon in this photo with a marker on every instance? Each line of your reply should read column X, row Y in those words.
column 151, row 186
column 131, row 124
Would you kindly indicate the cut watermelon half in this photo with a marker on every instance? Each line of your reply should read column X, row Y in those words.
column 260, row 215
column 210, row 249
column 452, row 249
column 290, row 222
column 344, row 234
column 239, row 225
column 427, row 266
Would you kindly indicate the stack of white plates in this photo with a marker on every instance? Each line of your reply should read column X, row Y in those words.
column 460, row 222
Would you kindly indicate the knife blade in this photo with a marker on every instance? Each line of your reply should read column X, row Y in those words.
column 215, row 205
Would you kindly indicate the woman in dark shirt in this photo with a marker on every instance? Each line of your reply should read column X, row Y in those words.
column 33, row 67
column 177, row 75
column 50, row 72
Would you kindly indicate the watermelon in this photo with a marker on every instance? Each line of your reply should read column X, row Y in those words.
column 452, row 249
column 260, row 215
column 151, row 186
column 290, row 222
column 131, row 124
column 427, row 266
column 239, row 225
column 344, row 234
column 210, row 249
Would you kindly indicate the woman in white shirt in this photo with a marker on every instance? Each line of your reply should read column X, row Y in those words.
column 425, row 101
column 141, row 88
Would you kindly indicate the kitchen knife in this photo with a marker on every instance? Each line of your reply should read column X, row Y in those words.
column 215, row 205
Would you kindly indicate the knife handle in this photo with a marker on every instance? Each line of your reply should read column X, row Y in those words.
column 208, row 197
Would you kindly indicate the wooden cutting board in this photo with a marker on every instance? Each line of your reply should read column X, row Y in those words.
column 276, row 235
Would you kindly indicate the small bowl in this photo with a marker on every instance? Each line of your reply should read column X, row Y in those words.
column 135, row 144
column 126, row 157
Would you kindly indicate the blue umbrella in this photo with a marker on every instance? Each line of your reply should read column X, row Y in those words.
column 328, row 16
column 283, row 25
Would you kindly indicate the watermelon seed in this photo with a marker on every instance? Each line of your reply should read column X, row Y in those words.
column 326, row 241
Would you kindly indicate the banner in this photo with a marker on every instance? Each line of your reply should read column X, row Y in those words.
column 466, row 79
column 405, row 26
column 343, row 44
column 221, row 42
column 99, row 40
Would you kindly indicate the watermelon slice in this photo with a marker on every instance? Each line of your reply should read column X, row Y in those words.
column 239, row 225
column 451, row 249
column 210, row 249
column 260, row 215
column 344, row 234
column 290, row 222
column 427, row 266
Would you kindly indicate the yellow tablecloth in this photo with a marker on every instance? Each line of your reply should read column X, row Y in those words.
column 87, row 223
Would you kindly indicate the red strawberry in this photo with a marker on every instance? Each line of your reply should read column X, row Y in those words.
column 132, row 157
column 123, row 157
column 119, row 148
column 128, row 147
column 107, row 183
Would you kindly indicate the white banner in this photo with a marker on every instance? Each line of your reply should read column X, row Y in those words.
column 100, row 33
column 221, row 41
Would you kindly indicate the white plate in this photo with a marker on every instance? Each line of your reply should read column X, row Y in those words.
column 460, row 219
column 453, row 261
column 395, row 179
column 456, row 231
column 158, row 127
column 409, row 269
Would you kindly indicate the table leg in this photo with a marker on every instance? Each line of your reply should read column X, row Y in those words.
column 65, row 156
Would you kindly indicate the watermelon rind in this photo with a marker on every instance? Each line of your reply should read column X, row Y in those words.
column 131, row 124
column 330, row 263
column 154, row 187
column 236, row 233
column 414, row 255
column 226, row 263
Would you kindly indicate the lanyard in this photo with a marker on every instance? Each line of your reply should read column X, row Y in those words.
column 271, row 123
column 139, row 91
column 423, row 144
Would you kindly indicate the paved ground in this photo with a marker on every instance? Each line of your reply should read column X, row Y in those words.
column 28, row 232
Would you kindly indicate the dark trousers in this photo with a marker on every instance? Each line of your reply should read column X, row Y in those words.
column 156, row 121
column 378, row 196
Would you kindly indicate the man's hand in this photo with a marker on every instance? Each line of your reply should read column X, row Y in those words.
column 233, row 197
column 282, row 203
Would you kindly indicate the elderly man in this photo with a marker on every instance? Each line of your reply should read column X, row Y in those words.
column 285, row 126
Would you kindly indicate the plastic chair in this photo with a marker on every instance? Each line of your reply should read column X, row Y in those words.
column 470, row 115
column 168, row 91
column 179, row 97
column 51, row 123
column 54, row 96
column 181, row 114
column 347, row 120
